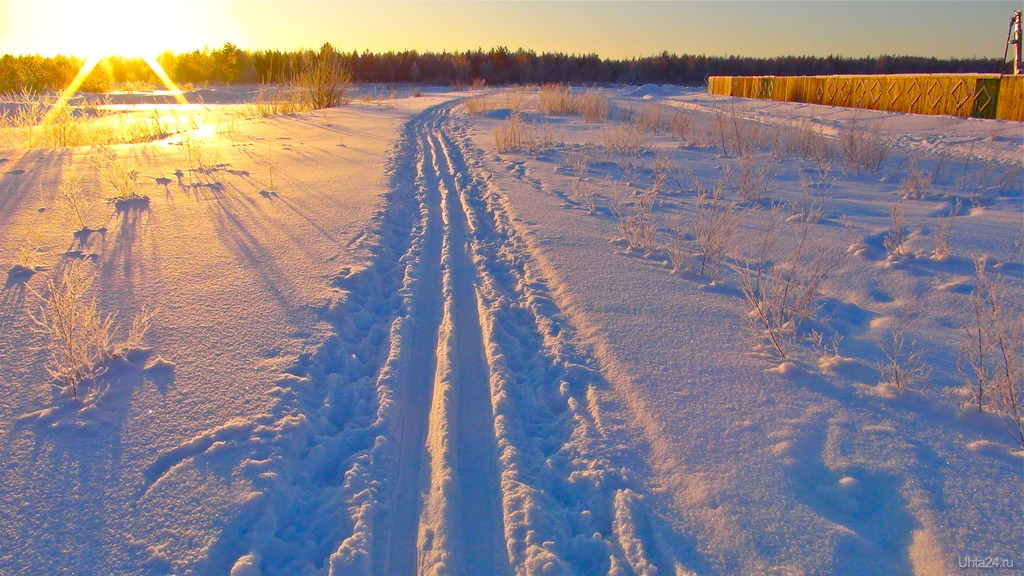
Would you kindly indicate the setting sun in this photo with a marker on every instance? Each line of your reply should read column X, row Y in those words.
column 100, row 28
column 119, row 27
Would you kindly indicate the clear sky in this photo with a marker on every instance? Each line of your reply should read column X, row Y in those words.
column 613, row 29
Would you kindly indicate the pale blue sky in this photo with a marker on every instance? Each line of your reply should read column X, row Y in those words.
column 614, row 29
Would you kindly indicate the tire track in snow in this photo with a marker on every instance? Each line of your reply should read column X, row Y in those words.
column 457, row 526
column 400, row 542
column 476, row 515
column 570, row 503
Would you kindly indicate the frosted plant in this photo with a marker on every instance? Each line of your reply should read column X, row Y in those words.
column 904, row 366
column 324, row 79
column 714, row 228
column 593, row 106
column 511, row 135
column 679, row 253
column 989, row 359
column 812, row 204
column 635, row 220
column 827, row 351
column 580, row 189
column 945, row 230
column 69, row 193
column 649, row 118
column 915, row 183
column 679, row 125
column 122, row 179
column 864, row 150
column 79, row 334
column 557, row 100
column 896, row 237
column 752, row 178
column 782, row 282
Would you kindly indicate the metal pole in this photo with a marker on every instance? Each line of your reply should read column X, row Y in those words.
column 1016, row 41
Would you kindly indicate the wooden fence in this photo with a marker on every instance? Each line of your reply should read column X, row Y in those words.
column 967, row 95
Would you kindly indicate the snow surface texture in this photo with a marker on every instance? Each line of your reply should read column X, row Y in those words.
column 383, row 347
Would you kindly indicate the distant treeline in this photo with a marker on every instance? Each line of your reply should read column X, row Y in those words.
column 231, row 65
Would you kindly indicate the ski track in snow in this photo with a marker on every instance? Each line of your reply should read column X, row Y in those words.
column 451, row 425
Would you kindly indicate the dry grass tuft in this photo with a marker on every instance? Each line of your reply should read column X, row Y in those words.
column 557, row 100
column 511, row 135
column 593, row 106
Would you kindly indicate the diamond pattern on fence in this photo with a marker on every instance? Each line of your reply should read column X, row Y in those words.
column 971, row 95
column 984, row 99
column 914, row 93
column 961, row 95
column 819, row 92
column 893, row 91
column 875, row 92
column 934, row 95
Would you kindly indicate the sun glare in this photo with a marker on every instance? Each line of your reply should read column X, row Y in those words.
column 100, row 28
column 103, row 28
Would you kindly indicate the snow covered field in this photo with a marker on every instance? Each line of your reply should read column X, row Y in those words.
column 462, row 334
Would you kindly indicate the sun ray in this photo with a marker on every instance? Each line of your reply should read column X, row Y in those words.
column 90, row 65
column 76, row 83
column 166, row 79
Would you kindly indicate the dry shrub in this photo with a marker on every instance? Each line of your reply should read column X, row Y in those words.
column 79, row 334
column 624, row 140
column 915, row 184
column 807, row 140
column 752, row 178
column 511, row 134
column 516, row 98
column 515, row 134
column 896, row 237
column 782, row 281
column 679, row 254
column 26, row 255
column 714, row 228
column 122, row 179
column 478, row 105
column 735, row 135
column 324, row 79
column 667, row 172
column 989, row 358
column 649, row 118
column 42, row 121
column 593, row 106
column 69, row 198
column 580, row 189
column 864, row 149
column 277, row 101
column 815, row 196
column 679, row 124
column 944, row 230
column 904, row 365
column 635, row 220
column 557, row 100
